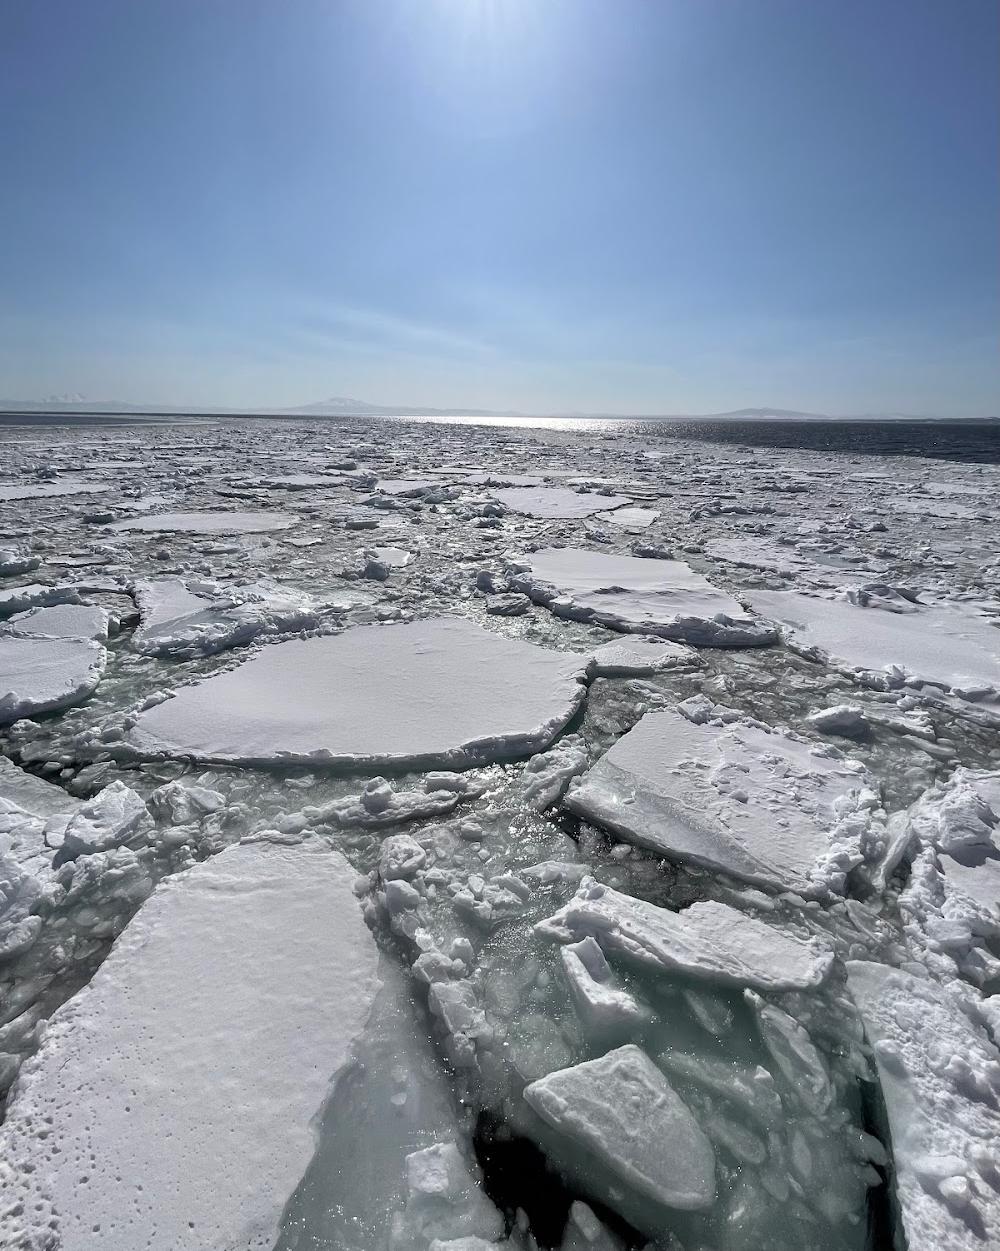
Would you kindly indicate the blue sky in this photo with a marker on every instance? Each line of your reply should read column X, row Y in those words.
column 546, row 205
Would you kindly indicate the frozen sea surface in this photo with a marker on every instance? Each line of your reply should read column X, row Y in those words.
column 433, row 837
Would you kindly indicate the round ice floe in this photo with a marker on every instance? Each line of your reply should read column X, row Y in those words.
column 209, row 523
column 439, row 692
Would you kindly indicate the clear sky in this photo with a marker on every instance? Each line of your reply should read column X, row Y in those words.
column 547, row 205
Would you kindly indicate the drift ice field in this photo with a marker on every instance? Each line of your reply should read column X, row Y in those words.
column 428, row 837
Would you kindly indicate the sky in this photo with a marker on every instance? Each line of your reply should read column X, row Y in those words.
column 633, row 206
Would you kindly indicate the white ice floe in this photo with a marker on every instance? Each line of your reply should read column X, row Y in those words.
column 631, row 519
column 622, row 1111
column 756, row 804
column 173, row 1104
column 639, row 657
column 439, row 692
column 563, row 502
column 61, row 621
column 44, row 674
column 198, row 619
column 940, row 1077
column 953, row 647
column 15, row 599
column 708, row 940
column 15, row 560
column 630, row 593
column 46, row 490
column 209, row 523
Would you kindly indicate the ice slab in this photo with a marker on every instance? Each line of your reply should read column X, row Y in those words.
column 708, row 940
column 16, row 599
column 209, row 523
column 633, row 594
column 639, row 656
column 563, row 502
column 952, row 647
column 940, row 1076
column 173, row 1103
column 62, row 621
column 439, row 692
column 47, row 490
column 199, row 619
column 960, row 819
column 758, row 805
column 623, row 1111
column 44, row 674
column 33, row 794
column 631, row 519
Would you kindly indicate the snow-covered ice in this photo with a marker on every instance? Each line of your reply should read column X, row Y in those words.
column 209, row 523
column 622, row 1111
column 173, row 1101
column 950, row 646
column 940, row 1077
column 708, row 940
column 736, row 798
column 439, row 693
column 546, row 501
column 629, row 593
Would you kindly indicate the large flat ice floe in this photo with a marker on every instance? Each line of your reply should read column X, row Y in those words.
column 623, row 1112
column 708, row 940
column 940, row 1078
column 756, row 804
column 39, row 674
column 209, row 523
column 439, row 692
column 174, row 1101
column 629, row 593
column 952, row 647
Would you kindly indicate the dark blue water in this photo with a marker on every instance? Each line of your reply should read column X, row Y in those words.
column 942, row 440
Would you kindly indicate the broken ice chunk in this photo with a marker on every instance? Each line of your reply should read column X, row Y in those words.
column 45, row 674
column 601, row 1003
column 623, row 1110
column 756, row 804
column 708, row 940
column 940, row 1078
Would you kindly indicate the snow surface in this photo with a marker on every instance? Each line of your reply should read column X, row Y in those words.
column 940, row 1078
column 438, row 692
column 645, row 596
column 950, row 646
column 736, row 798
column 708, row 940
column 49, row 490
column 173, row 1101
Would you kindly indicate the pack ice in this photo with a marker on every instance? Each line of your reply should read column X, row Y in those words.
column 953, row 647
column 437, row 692
column 173, row 1101
column 636, row 594
column 737, row 798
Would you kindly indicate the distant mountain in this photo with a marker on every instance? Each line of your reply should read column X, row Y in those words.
column 345, row 406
